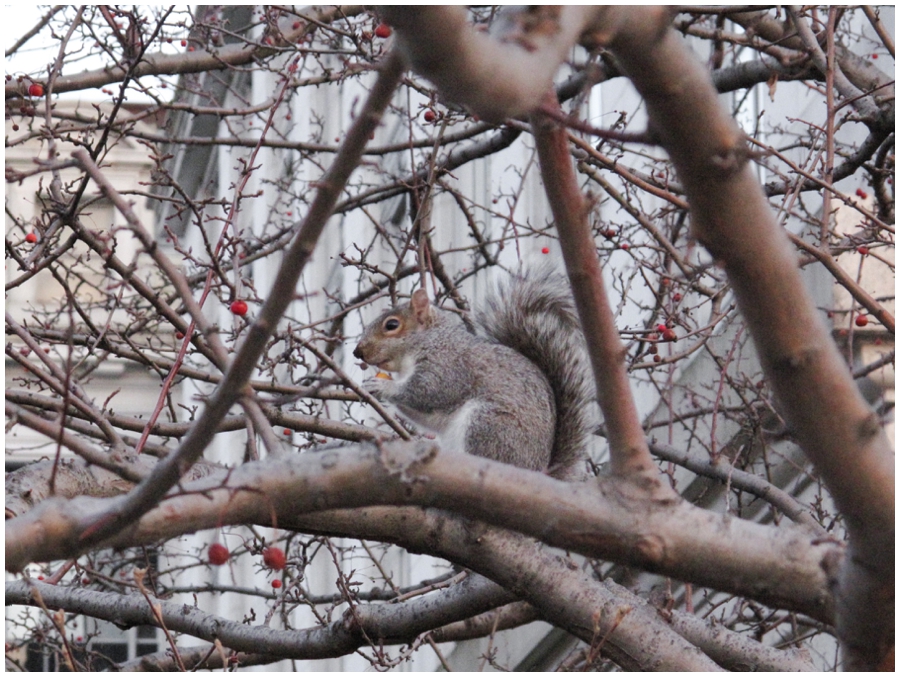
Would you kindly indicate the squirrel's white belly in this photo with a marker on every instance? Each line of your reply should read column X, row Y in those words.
column 452, row 434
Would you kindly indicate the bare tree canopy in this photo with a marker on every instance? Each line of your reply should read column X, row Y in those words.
column 204, row 211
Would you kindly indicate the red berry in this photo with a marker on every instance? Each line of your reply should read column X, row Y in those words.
column 661, row 328
column 31, row 238
column 85, row 580
column 239, row 307
column 625, row 246
column 184, row 43
column 36, row 89
column 218, row 554
column 676, row 297
column 657, row 358
column 862, row 249
column 286, row 432
column 874, row 56
column 276, row 584
column 179, row 335
column 383, row 30
column 25, row 351
column 861, row 193
column 429, row 115
column 862, row 320
column 295, row 25
column 545, row 250
column 669, row 335
column 274, row 558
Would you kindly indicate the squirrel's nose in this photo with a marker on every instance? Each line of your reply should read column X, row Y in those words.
column 358, row 353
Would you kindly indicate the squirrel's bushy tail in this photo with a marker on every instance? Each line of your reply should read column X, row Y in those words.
column 536, row 316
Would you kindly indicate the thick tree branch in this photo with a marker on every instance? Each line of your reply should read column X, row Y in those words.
column 497, row 79
column 628, row 449
column 609, row 519
column 388, row 623
column 827, row 414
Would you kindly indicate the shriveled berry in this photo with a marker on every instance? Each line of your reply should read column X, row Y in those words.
column 274, row 558
column 382, row 30
column 239, row 307
column 217, row 554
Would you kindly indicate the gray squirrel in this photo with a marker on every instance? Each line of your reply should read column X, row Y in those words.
column 517, row 392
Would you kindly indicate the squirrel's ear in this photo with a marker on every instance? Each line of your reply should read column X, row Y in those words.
column 421, row 306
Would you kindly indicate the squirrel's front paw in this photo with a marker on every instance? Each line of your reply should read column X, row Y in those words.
column 379, row 385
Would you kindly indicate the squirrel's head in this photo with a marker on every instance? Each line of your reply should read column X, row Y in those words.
column 384, row 342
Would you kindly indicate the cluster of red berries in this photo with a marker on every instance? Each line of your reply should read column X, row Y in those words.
column 273, row 557
column 667, row 333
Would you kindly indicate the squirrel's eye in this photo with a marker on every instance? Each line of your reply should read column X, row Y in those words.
column 391, row 324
